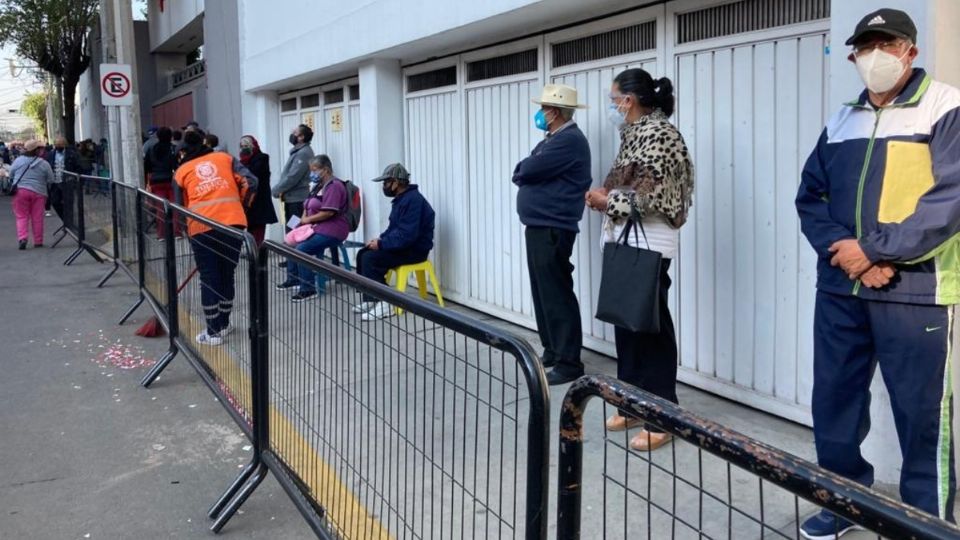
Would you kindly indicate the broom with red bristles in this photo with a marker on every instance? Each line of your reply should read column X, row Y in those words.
column 153, row 328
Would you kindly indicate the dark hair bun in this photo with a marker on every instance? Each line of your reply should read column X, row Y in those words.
column 663, row 87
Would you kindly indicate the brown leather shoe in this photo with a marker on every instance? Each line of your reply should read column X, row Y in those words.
column 646, row 441
column 622, row 423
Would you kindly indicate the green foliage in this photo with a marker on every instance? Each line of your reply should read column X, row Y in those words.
column 55, row 34
column 34, row 107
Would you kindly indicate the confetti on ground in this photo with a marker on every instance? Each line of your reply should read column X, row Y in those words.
column 123, row 357
column 158, row 447
column 247, row 448
column 192, row 406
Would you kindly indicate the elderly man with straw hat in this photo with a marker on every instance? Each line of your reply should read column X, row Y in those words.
column 553, row 181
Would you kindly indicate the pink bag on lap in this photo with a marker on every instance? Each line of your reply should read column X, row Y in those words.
column 298, row 235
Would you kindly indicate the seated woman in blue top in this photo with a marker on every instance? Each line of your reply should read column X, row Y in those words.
column 407, row 240
column 325, row 209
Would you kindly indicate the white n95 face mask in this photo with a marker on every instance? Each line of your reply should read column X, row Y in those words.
column 880, row 70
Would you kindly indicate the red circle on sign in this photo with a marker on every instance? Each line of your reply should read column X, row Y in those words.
column 124, row 84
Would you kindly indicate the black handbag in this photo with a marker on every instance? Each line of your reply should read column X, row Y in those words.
column 630, row 284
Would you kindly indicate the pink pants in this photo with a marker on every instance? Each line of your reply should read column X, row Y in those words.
column 28, row 208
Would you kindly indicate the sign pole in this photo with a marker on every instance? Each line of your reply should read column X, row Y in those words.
column 108, row 38
column 129, row 115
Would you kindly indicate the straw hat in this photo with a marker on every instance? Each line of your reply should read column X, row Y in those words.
column 32, row 145
column 559, row 95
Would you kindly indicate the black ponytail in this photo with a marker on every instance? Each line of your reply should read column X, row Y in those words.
column 655, row 94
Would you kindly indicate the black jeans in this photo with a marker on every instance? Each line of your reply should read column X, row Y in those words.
column 649, row 361
column 554, row 302
column 216, row 254
column 374, row 263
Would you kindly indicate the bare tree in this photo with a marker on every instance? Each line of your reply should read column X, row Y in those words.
column 55, row 34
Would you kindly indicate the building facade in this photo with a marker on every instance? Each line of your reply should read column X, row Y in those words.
column 445, row 87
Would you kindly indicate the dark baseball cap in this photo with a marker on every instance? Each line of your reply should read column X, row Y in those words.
column 892, row 22
column 394, row 170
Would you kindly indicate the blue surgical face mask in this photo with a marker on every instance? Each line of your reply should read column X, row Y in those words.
column 540, row 121
column 616, row 116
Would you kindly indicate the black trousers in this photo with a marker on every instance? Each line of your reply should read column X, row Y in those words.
column 649, row 361
column 554, row 302
column 374, row 263
column 217, row 254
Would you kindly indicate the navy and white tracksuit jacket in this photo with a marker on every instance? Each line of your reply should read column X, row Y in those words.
column 889, row 177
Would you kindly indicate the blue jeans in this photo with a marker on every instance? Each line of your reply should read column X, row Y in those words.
column 305, row 276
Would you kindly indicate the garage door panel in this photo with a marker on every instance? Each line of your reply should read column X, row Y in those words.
column 788, row 169
column 687, row 328
column 434, row 158
column 495, row 111
column 744, row 216
column 764, row 265
column 749, row 112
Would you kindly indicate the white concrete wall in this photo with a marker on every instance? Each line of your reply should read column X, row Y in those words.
column 176, row 15
column 222, row 49
column 353, row 31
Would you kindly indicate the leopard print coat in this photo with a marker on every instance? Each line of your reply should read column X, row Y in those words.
column 653, row 173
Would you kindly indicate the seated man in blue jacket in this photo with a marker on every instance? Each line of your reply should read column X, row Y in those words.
column 407, row 240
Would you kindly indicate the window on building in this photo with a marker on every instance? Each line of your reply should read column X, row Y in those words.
column 437, row 78
column 503, row 66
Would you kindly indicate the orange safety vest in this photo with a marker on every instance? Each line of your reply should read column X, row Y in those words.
column 211, row 189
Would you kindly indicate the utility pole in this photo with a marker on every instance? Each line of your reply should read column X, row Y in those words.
column 116, row 27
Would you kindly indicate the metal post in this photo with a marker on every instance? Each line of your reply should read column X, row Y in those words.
column 141, row 250
column 115, row 227
column 173, row 314
column 570, row 464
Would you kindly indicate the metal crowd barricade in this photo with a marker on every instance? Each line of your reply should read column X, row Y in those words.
column 428, row 424
column 72, row 211
column 711, row 482
column 432, row 424
column 171, row 239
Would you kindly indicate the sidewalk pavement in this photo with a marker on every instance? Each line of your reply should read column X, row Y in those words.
column 90, row 454
column 85, row 452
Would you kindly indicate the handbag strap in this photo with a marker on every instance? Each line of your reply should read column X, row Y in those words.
column 632, row 223
column 23, row 172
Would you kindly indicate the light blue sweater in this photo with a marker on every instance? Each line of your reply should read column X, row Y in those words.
column 36, row 174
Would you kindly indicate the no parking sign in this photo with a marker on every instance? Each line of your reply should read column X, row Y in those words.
column 116, row 84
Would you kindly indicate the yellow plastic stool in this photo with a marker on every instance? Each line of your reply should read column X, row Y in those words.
column 421, row 270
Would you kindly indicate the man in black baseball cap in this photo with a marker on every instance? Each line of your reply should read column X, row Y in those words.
column 884, row 48
column 891, row 22
column 407, row 240
column 879, row 202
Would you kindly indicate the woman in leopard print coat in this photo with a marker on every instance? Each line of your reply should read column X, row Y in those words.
column 652, row 181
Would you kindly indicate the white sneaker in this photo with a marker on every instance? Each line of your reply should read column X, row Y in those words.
column 204, row 338
column 381, row 310
column 363, row 307
column 227, row 331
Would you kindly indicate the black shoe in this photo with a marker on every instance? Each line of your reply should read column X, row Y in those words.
column 302, row 297
column 556, row 377
column 288, row 284
column 23, row 244
column 548, row 361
